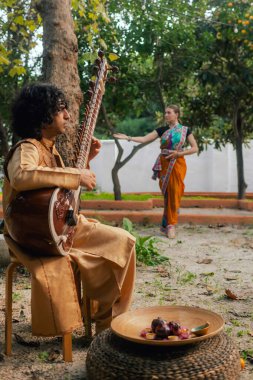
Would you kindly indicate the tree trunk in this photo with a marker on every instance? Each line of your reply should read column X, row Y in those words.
column 116, row 182
column 238, row 130
column 240, row 170
column 158, row 59
column 60, row 64
column 118, row 163
column 3, row 140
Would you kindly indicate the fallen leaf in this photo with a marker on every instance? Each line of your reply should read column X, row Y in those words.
column 21, row 313
column 169, row 299
column 204, row 261
column 210, row 290
column 163, row 272
column 53, row 355
column 237, row 242
column 242, row 361
column 230, row 294
column 207, row 274
column 242, row 314
column 207, row 293
column 218, row 225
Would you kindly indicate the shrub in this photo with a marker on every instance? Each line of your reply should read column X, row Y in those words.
column 146, row 246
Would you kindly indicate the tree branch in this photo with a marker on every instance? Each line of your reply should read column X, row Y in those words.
column 134, row 151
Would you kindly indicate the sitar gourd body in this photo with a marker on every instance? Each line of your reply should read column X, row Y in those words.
column 42, row 221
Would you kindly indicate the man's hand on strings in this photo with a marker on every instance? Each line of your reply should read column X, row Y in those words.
column 94, row 148
column 88, row 179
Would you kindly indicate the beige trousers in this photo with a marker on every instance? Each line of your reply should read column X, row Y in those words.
column 105, row 257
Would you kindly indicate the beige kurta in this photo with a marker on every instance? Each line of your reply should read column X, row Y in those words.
column 104, row 255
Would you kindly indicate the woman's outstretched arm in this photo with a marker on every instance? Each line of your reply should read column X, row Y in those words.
column 139, row 139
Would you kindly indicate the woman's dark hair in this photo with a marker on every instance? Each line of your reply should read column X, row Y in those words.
column 34, row 106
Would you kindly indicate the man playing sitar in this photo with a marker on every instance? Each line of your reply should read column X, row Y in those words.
column 104, row 255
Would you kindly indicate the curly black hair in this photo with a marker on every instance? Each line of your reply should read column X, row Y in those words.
column 34, row 106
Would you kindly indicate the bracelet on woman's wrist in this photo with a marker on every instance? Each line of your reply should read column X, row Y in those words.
column 129, row 138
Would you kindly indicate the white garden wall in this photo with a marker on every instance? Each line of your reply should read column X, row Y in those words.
column 211, row 171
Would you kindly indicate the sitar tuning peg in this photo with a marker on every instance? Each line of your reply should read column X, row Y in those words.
column 112, row 80
column 101, row 53
column 114, row 69
column 95, row 69
column 89, row 93
column 91, row 85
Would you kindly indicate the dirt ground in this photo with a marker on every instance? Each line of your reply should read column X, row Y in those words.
column 203, row 262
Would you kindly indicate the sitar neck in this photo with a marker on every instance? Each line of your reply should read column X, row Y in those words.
column 86, row 130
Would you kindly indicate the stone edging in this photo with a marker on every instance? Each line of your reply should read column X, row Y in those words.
column 157, row 202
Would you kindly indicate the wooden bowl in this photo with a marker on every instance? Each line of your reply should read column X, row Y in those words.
column 129, row 325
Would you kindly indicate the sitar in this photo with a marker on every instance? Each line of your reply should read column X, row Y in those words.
column 44, row 221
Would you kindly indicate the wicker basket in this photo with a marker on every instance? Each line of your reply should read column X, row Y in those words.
column 110, row 357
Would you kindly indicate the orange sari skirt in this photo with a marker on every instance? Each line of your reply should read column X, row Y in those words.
column 175, row 190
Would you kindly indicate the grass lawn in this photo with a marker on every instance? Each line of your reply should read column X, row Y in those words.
column 92, row 195
column 110, row 196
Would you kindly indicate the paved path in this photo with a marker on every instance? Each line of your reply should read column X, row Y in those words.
column 215, row 211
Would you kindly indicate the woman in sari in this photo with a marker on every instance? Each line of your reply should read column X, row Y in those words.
column 170, row 166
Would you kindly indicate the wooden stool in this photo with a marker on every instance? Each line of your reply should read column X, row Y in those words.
column 67, row 338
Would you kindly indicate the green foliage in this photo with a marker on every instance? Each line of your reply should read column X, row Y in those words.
column 194, row 53
column 90, row 16
column 43, row 356
column 19, row 35
column 91, row 195
column 186, row 277
column 136, row 127
column 16, row 297
column 241, row 333
column 245, row 354
column 225, row 76
column 146, row 250
column 19, row 25
column 155, row 57
column 235, row 322
column 229, row 330
column 95, row 195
